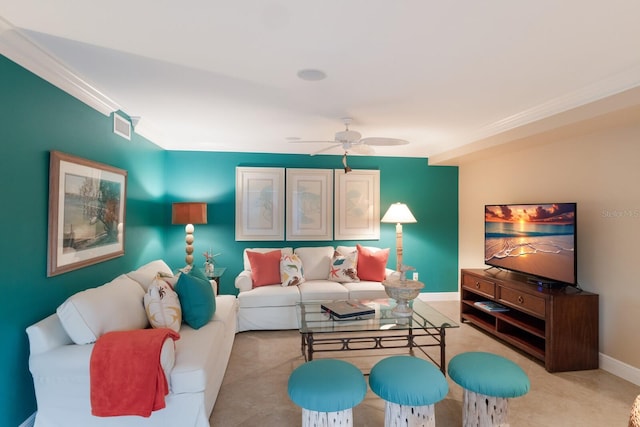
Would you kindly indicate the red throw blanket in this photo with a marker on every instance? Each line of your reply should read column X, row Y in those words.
column 125, row 372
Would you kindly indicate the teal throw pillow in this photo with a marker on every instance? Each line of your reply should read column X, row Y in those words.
column 196, row 272
column 196, row 299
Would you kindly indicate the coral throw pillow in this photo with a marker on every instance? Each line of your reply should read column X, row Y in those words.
column 291, row 271
column 265, row 267
column 372, row 265
column 343, row 267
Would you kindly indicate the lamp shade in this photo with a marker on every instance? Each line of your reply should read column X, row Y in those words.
column 398, row 213
column 189, row 213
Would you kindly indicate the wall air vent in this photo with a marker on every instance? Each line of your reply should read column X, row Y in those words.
column 121, row 126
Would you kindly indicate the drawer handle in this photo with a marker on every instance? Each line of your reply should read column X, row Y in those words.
column 477, row 285
column 520, row 299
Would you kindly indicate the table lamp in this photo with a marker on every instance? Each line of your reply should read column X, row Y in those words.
column 400, row 214
column 189, row 213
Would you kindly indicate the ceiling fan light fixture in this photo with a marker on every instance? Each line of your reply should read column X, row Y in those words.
column 348, row 136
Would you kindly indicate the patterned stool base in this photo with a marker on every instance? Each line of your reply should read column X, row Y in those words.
column 408, row 416
column 479, row 410
column 327, row 419
column 634, row 418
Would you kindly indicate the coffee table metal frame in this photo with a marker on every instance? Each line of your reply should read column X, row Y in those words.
column 320, row 332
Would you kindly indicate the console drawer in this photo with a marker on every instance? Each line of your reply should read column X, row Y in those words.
column 478, row 285
column 524, row 301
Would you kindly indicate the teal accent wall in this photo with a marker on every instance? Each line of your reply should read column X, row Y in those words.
column 36, row 117
column 431, row 192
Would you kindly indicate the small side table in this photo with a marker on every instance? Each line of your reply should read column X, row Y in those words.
column 216, row 275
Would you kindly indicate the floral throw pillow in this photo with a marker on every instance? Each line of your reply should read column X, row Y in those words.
column 343, row 267
column 291, row 272
column 163, row 306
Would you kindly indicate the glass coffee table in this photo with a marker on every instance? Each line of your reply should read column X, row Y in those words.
column 321, row 332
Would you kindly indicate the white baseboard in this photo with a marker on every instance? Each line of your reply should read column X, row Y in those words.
column 607, row 363
column 29, row 422
column 439, row 296
column 620, row 369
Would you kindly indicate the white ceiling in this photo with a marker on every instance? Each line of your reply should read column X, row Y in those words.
column 221, row 76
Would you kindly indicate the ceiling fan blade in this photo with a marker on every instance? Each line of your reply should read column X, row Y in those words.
column 314, row 142
column 331, row 147
column 383, row 141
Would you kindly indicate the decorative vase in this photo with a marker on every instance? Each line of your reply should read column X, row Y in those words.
column 208, row 268
column 402, row 291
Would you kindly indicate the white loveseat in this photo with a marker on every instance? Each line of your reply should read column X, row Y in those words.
column 274, row 307
column 194, row 366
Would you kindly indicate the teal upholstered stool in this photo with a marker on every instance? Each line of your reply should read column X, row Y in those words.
column 410, row 387
column 488, row 381
column 327, row 390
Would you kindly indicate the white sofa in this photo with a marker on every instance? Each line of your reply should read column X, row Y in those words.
column 194, row 367
column 274, row 307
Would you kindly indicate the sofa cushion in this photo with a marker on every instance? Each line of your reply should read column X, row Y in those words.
column 316, row 261
column 291, row 270
column 197, row 300
column 163, row 306
column 146, row 274
column 245, row 257
column 194, row 350
column 269, row 296
column 366, row 289
column 372, row 265
column 199, row 354
column 318, row 290
column 114, row 306
column 343, row 267
column 265, row 267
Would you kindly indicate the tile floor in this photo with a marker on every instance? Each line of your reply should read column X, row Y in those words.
column 254, row 391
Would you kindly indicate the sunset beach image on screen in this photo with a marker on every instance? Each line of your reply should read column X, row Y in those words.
column 534, row 239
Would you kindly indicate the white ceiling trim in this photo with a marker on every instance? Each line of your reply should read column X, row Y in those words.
column 620, row 108
column 613, row 85
column 23, row 50
column 18, row 47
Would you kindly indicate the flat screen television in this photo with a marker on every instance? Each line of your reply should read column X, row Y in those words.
column 538, row 240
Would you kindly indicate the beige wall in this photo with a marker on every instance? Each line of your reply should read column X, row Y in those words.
column 600, row 170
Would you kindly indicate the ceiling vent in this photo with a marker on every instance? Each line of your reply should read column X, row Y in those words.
column 121, row 126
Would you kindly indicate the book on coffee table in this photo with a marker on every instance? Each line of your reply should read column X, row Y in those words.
column 347, row 309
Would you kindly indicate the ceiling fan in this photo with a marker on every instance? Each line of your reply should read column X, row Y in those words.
column 351, row 141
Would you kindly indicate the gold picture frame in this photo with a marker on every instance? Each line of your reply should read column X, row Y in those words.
column 87, row 204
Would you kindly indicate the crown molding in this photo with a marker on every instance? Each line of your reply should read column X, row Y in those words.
column 614, row 93
column 21, row 49
column 613, row 85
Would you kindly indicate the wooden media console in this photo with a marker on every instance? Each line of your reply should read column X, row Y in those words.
column 557, row 326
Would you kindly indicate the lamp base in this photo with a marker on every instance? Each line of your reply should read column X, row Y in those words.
column 189, row 240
